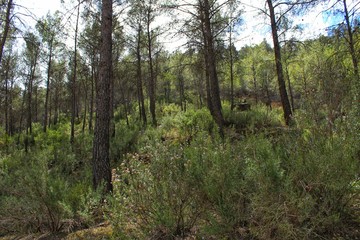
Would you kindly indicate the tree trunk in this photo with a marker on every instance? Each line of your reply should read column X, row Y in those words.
column 85, row 108
column 74, row 80
column 7, row 93
column 91, row 110
column 182, row 92
column 356, row 88
column 232, row 104
column 48, row 86
column 279, row 68
column 11, row 116
column 36, row 105
column 151, row 69
column 29, row 96
column 101, row 161
column 139, row 79
column 292, row 101
column 6, row 28
column 253, row 69
column 207, row 82
column 351, row 42
column 30, row 91
column 56, row 105
column 211, row 66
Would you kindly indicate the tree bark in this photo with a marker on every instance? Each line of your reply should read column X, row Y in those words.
column 139, row 79
column 279, row 68
column 6, row 28
column 211, row 65
column 151, row 68
column 101, row 160
column 232, row 104
column 7, row 105
column 74, row 80
column 29, row 96
column 351, row 42
column 93, row 80
column 48, row 86
column 356, row 88
column 253, row 69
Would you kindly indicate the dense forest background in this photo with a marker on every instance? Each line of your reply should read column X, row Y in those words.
column 107, row 134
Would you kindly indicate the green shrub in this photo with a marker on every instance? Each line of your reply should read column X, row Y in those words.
column 124, row 141
column 45, row 189
column 155, row 198
column 259, row 118
column 168, row 190
column 181, row 127
column 302, row 186
column 296, row 184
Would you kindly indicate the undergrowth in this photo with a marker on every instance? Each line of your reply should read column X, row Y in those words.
column 182, row 180
column 185, row 181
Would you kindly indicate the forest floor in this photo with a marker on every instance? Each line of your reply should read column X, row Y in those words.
column 101, row 231
column 104, row 231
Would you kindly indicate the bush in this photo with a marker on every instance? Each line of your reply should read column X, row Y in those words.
column 297, row 184
column 304, row 186
column 259, row 118
column 45, row 189
column 124, row 141
column 182, row 127
column 154, row 198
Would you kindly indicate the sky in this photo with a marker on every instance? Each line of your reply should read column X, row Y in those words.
column 253, row 31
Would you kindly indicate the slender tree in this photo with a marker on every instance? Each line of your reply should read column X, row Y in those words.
column 149, row 19
column 74, row 82
column 101, row 161
column 139, row 76
column 206, row 16
column 279, row 65
column 49, row 28
column 32, row 53
column 6, row 27
column 351, row 42
column 8, row 72
column 205, row 27
column 89, row 43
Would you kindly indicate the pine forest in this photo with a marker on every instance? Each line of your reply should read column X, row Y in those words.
column 180, row 119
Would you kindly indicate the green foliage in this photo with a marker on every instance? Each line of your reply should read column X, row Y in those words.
column 157, row 184
column 179, row 127
column 46, row 189
column 259, row 118
column 124, row 140
column 297, row 184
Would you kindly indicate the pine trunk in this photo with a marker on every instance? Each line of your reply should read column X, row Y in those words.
column 279, row 68
column 101, row 160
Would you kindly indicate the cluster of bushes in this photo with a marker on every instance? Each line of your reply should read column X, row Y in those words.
column 182, row 179
column 298, row 184
column 47, row 188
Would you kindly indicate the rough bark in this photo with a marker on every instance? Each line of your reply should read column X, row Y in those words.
column 48, row 86
column 74, row 80
column 91, row 108
column 7, row 103
column 151, row 84
column 279, row 68
column 139, row 79
column 211, row 64
column 6, row 28
column 351, row 41
column 101, row 161
column 232, row 104
column 29, row 96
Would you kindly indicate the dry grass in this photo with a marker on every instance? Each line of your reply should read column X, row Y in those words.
column 99, row 232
